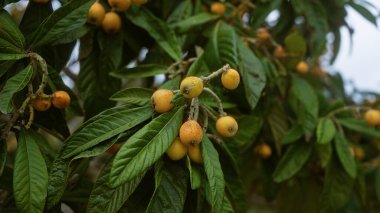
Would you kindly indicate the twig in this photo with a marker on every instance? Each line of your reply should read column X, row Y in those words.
column 211, row 114
column 205, row 118
column 194, row 109
column 45, row 72
column 215, row 138
column 215, row 96
column 215, row 73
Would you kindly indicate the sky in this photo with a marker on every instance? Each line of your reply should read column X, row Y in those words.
column 362, row 64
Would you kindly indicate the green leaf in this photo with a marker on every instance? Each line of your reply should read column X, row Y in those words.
column 277, row 120
column 214, row 173
column 15, row 84
column 324, row 153
column 3, row 155
column 11, row 56
column 262, row 10
column 345, row 156
column 293, row 134
column 295, row 43
column 337, row 188
column 58, row 172
column 138, row 96
column 195, row 174
column 325, row 131
column 293, row 160
column 104, row 199
column 104, row 126
column 252, row 74
column 364, row 12
column 5, row 66
column 221, row 48
column 94, row 82
column 30, row 177
column 145, row 147
column 10, row 32
column 227, row 206
column 159, row 30
column 306, row 96
column 194, row 21
column 64, row 20
column 141, row 71
column 171, row 188
column 359, row 126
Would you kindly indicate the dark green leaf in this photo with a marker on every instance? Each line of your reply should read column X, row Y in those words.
column 164, row 36
column 138, row 96
column 9, row 31
column 293, row 134
column 195, row 174
column 58, row 172
column 252, row 74
column 325, row 131
column 5, row 66
column 345, row 156
column 337, row 189
column 214, row 174
column 30, row 177
column 145, row 147
column 364, row 12
column 64, row 20
column 194, row 21
column 15, row 84
column 293, row 160
column 324, row 153
column 277, row 120
column 104, row 199
column 359, row 126
column 171, row 188
column 11, row 56
column 140, row 71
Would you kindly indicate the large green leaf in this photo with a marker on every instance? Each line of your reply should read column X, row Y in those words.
column 158, row 29
column 138, row 96
column 308, row 107
column 364, row 12
column 337, row 189
column 194, row 21
column 104, row 199
column 104, row 126
column 293, row 160
column 171, row 187
column 11, row 56
column 325, row 130
column 10, row 32
column 64, row 20
column 359, row 126
column 141, row 71
column 277, row 120
column 214, row 174
column 145, row 147
column 195, row 174
column 58, row 172
column 30, row 177
column 94, row 82
column 293, row 134
column 345, row 156
column 15, row 84
column 221, row 48
column 252, row 74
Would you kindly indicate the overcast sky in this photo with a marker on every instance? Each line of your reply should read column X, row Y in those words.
column 362, row 65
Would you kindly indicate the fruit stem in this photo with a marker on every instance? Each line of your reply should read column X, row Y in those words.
column 215, row 73
column 31, row 117
column 205, row 118
column 215, row 138
column 194, row 109
column 215, row 96
column 45, row 72
column 209, row 113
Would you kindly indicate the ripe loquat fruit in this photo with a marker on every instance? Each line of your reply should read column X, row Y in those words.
column 177, row 150
column 190, row 132
column 264, row 151
column 96, row 14
column 191, row 87
column 279, row 52
column 60, row 99
column 161, row 100
column 120, row 5
column 226, row 126
column 41, row 104
column 194, row 153
column 218, row 8
column 302, row 67
column 372, row 117
column 111, row 23
column 230, row 79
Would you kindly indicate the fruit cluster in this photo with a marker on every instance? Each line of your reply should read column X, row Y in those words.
column 59, row 99
column 191, row 132
column 110, row 21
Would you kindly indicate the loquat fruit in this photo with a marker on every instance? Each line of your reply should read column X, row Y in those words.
column 230, row 79
column 96, row 14
column 177, row 150
column 302, row 67
column 262, row 34
column 41, row 104
column 111, row 23
column 226, row 126
column 372, row 117
column 279, row 52
column 190, row 132
column 120, row 5
column 60, row 99
column 264, row 151
column 161, row 100
column 191, row 87
column 194, row 153
column 217, row 8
